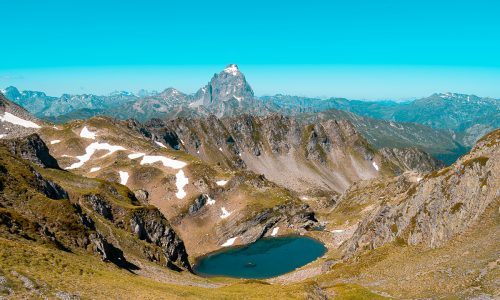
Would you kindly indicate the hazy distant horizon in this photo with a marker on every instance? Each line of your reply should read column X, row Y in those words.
column 352, row 82
column 362, row 49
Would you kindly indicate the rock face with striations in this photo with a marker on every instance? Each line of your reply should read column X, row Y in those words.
column 327, row 155
column 440, row 206
column 411, row 159
column 32, row 148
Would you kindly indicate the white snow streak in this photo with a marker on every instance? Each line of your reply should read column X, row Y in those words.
column 210, row 201
column 91, row 149
column 123, row 177
column 160, row 144
column 135, row 155
column 229, row 242
column 375, row 165
column 180, row 181
column 85, row 133
column 10, row 118
column 55, row 142
column 275, row 231
column 221, row 182
column 167, row 162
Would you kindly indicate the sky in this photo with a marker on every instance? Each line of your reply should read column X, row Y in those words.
column 359, row 49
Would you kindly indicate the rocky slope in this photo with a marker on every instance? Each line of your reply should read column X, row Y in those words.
column 200, row 199
column 411, row 159
column 305, row 158
column 443, row 204
column 439, row 143
column 77, row 214
column 15, row 121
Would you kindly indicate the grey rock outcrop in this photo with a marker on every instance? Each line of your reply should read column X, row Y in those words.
column 443, row 204
column 256, row 226
column 150, row 225
column 32, row 148
column 411, row 159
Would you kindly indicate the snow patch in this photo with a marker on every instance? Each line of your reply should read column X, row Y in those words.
column 86, row 133
column 225, row 213
column 123, row 177
column 210, row 201
column 94, row 169
column 1, row 136
column 167, row 162
column 10, row 118
column 229, row 242
column 337, row 231
column 275, row 231
column 220, row 149
column 55, row 142
column 160, row 144
column 135, row 155
column 375, row 165
column 232, row 69
column 180, row 181
column 221, row 182
column 91, row 149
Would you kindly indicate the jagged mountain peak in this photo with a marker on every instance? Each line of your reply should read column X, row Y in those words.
column 11, row 92
column 171, row 92
column 229, row 84
column 232, row 69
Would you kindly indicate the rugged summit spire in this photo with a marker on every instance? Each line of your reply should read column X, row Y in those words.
column 229, row 84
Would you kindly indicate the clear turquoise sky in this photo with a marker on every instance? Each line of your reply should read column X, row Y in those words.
column 358, row 48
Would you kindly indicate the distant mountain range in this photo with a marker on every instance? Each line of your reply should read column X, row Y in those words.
column 452, row 123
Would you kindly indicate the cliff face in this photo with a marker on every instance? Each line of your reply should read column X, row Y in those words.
column 70, row 212
column 33, row 149
column 440, row 206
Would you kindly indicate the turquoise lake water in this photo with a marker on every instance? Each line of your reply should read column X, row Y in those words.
column 268, row 257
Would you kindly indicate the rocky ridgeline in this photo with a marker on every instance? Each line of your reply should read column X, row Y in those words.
column 326, row 155
column 94, row 215
column 440, row 206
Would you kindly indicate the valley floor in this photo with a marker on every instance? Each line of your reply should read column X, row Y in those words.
column 467, row 267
